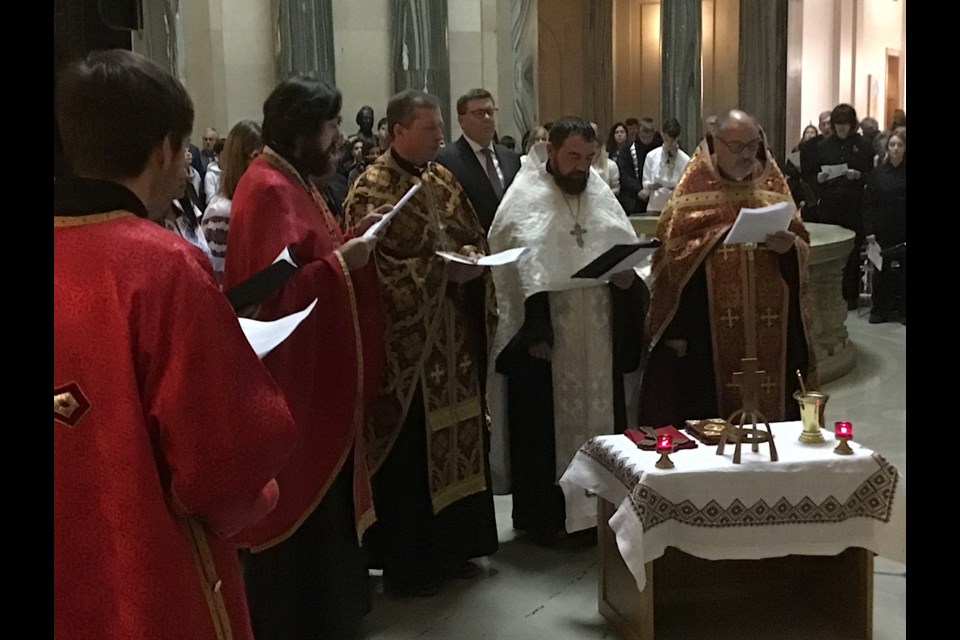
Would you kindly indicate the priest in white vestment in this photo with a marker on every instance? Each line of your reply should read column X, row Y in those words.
column 562, row 344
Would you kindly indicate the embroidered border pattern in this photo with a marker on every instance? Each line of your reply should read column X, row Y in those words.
column 619, row 466
column 872, row 499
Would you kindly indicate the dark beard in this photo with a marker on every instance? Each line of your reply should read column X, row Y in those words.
column 574, row 183
column 319, row 163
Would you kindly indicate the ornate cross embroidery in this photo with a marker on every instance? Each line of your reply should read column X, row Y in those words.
column 730, row 318
column 769, row 316
column 437, row 373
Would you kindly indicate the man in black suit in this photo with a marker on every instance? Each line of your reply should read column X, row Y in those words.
column 484, row 169
column 633, row 198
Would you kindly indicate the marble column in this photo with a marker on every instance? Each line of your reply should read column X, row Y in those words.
column 598, row 63
column 763, row 67
column 517, row 61
column 680, row 40
column 421, row 59
column 305, row 39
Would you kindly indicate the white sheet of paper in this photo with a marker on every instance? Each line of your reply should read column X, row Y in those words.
column 834, row 171
column 794, row 159
column 285, row 257
column 754, row 225
column 264, row 337
column 873, row 254
column 494, row 260
column 375, row 227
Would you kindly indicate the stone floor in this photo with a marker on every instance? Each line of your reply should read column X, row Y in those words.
column 532, row 593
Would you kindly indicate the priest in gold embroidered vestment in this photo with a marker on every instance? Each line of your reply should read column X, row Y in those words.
column 427, row 440
column 705, row 316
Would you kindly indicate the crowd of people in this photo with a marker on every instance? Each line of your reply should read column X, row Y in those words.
column 201, row 492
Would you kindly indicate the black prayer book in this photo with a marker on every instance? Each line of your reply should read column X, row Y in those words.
column 617, row 255
column 260, row 285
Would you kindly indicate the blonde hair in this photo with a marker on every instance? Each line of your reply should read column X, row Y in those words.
column 244, row 138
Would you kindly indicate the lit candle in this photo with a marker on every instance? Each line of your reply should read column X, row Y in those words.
column 665, row 443
column 843, row 429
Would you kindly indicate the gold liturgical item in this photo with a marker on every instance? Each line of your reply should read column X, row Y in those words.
column 748, row 379
column 812, row 404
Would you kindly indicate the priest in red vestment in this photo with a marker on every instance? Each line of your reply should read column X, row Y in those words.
column 705, row 316
column 167, row 430
column 304, row 575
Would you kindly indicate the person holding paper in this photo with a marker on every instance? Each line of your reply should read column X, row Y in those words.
column 885, row 223
column 563, row 344
column 303, row 568
column 696, row 322
column 841, row 197
column 663, row 168
column 168, row 432
column 427, row 439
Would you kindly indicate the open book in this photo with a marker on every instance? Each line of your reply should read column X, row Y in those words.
column 260, row 285
column 618, row 258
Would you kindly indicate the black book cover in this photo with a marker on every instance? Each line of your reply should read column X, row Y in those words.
column 612, row 257
column 260, row 285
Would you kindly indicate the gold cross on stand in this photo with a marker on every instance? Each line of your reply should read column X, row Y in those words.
column 748, row 382
column 769, row 316
column 579, row 232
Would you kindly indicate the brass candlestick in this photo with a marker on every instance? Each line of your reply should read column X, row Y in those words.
column 664, row 462
column 843, row 448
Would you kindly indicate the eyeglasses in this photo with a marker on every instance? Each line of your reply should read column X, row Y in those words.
column 479, row 113
column 738, row 147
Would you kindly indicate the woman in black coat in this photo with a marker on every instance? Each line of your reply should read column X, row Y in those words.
column 885, row 222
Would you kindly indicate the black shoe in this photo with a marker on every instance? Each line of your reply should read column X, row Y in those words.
column 877, row 318
column 903, row 320
column 852, row 304
column 410, row 587
column 465, row 570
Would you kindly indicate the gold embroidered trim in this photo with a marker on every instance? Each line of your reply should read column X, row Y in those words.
column 306, row 512
column 210, row 584
column 79, row 221
column 368, row 517
column 445, row 417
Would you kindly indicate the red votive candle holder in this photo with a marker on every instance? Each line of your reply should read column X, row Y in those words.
column 665, row 443
column 843, row 429
column 844, row 433
column 664, row 448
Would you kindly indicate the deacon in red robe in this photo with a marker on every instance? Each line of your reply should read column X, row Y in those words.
column 167, row 430
column 304, row 575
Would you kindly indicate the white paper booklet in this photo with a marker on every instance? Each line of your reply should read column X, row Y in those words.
column 834, row 171
column 495, row 260
column 377, row 226
column 265, row 336
column 874, row 255
column 754, row 225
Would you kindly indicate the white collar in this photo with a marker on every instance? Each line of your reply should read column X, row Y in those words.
column 476, row 145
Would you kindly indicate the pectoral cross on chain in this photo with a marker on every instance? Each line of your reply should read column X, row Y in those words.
column 579, row 232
